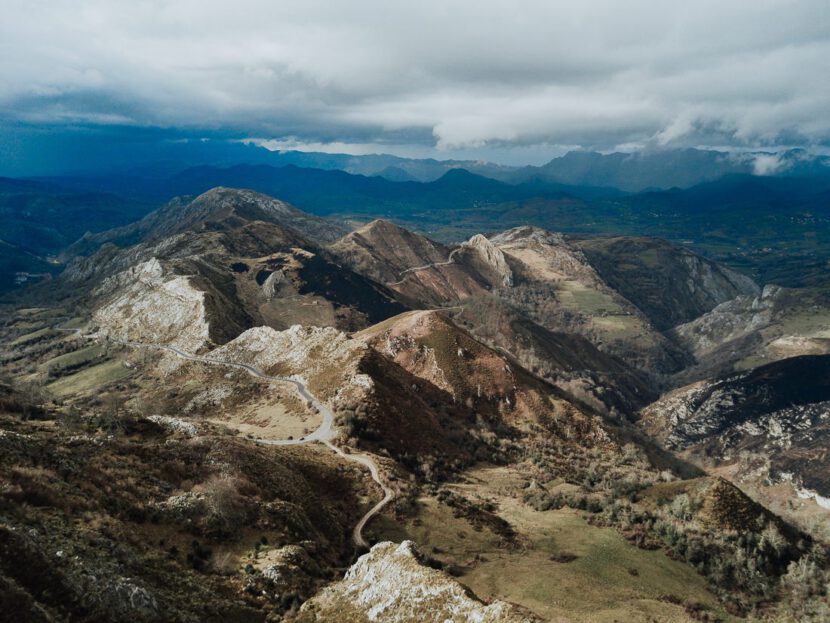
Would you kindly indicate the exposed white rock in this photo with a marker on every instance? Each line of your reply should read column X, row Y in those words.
column 269, row 287
column 145, row 304
column 174, row 424
column 298, row 347
column 545, row 255
column 211, row 396
column 715, row 282
column 528, row 234
column 492, row 257
column 325, row 357
column 729, row 321
column 391, row 584
column 288, row 568
column 822, row 501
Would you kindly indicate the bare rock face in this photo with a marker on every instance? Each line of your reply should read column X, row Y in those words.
column 392, row 584
column 747, row 331
column 325, row 357
column 270, row 286
column 490, row 258
column 148, row 305
column 764, row 427
column 545, row 256
column 223, row 206
column 729, row 321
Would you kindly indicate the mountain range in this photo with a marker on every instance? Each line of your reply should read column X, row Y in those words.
column 770, row 227
column 234, row 409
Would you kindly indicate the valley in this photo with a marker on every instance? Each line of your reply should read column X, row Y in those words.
column 231, row 409
column 414, row 312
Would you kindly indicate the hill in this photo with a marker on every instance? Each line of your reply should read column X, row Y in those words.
column 220, row 263
column 669, row 284
column 765, row 428
column 38, row 220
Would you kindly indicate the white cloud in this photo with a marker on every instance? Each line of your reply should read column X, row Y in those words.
column 466, row 75
column 768, row 164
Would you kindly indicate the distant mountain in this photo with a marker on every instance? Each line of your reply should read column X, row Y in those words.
column 151, row 158
column 775, row 229
column 632, row 172
column 683, row 168
column 321, row 191
column 395, row 174
column 209, row 210
column 42, row 218
column 38, row 220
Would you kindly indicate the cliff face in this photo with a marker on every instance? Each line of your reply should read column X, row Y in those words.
column 729, row 321
column 489, row 260
column 540, row 255
column 752, row 330
column 323, row 356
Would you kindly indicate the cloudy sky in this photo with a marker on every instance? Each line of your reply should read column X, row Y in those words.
column 520, row 80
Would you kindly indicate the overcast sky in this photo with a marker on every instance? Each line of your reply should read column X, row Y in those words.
column 502, row 80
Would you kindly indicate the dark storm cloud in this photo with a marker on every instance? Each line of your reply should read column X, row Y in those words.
column 465, row 76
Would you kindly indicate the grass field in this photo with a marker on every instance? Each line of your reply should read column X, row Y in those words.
column 281, row 313
column 578, row 297
column 90, row 379
column 30, row 337
column 609, row 580
column 271, row 420
column 76, row 357
column 74, row 323
column 803, row 332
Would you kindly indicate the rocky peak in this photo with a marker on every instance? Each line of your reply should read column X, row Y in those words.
column 380, row 227
column 225, row 208
column 147, row 304
column 492, row 258
column 542, row 255
column 392, row 583
column 383, row 250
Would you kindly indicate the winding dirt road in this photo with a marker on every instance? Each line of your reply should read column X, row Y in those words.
column 405, row 273
column 324, row 433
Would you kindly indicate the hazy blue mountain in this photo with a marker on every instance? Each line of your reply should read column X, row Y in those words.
column 665, row 169
column 773, row 228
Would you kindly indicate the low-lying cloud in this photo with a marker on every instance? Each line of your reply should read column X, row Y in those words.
column 460, row 76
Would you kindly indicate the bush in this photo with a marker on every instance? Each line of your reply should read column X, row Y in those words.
column 225, row 505
column 563, row 557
